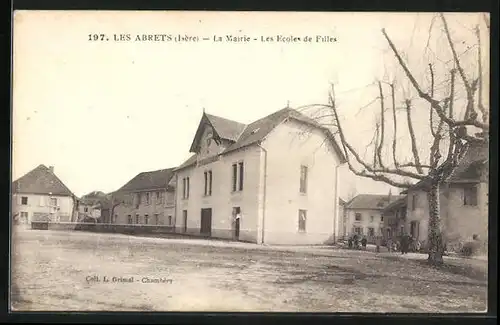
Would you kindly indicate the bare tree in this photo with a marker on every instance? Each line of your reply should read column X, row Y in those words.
column 451, row 129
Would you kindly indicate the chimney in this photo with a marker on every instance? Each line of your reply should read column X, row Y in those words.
column 51, row 168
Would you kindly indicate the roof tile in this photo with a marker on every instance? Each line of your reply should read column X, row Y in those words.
column 157, row 179
column 40, row 180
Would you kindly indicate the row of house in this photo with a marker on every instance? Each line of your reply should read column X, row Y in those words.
column 273, row 181
column 463, row 206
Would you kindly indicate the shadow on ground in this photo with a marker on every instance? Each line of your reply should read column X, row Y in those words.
column 463, row 270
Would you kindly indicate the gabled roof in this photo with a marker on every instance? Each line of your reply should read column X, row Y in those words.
column 152, row 180
column 224, row 129
column 189, row 162
column 95, row 198
column 244, row 135
column 40, row 180
column 469, row 167
column 396, row 203
column 372, row 201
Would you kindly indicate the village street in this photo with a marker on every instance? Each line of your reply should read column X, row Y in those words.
column 60, row 270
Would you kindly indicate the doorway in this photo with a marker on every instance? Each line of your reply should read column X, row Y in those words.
column 206, row 222
column 237, row 222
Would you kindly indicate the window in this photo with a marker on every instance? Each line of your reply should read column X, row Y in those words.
column 169, row 220
column 381, row 218
column 371, row 232
column 53, row 201
column 146, row 219
column 184, row 220
column 185, row 187
column 208, row 183
column 241, row 176
column 205, row 174
column 157, row 218
column 302, row 220
column 116, row 218
column 85, row 209
column 303, row 179
column 357, row 216
column 147, row 198
column 235, row 176
column 159, row 198
column 238, row 172
column 372, row 218
column 24, row 200
column 470, row 195
column 414, row 202
column 358, row 230
column 129, row 219
column 137, row 219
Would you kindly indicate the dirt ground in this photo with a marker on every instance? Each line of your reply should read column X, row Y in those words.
column 67, row 271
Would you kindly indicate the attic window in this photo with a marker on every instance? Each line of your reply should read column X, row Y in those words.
column 380, row 204
column 255, row 131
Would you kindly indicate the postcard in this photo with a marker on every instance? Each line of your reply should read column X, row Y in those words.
column 204, row 161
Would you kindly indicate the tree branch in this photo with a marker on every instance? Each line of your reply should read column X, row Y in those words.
column 382, row 123
column 393, row 97
column 431, row 111
column 412, row 137
column 434, row 103
column 450, row 113
column 480, row 106
column 348, row 148
column 469, row 88
column 375, row 145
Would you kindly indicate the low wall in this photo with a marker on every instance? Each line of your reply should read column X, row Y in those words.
column 125, row 229
column 101, row 227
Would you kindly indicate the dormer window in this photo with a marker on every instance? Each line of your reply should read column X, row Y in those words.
column 255, row 131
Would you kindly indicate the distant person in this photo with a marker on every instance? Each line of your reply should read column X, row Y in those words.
column 389, row 244
column 405, row 243
column 378, row 241
column 364, row 242
column 349, row 242
column 418, row 246
column 356, row 241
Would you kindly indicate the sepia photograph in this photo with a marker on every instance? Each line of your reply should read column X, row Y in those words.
column 204, row 161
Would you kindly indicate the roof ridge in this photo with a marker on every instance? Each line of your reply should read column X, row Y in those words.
column 224, row 118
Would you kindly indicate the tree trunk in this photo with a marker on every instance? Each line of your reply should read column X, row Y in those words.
column 436, row 247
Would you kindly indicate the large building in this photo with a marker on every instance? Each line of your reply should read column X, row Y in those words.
column 463, row 201
column 147, row 199
column 364, row 214
column 273, row 181
column 40, row 195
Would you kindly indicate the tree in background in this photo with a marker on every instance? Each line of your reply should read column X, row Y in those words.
column 453, row 98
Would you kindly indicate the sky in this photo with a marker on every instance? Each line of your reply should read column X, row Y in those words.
column 101, row 112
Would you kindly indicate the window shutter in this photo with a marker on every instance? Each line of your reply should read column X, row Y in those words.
column 18, row 200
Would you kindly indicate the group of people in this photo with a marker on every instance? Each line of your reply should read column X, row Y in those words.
column 355, row 241
column 405, row 243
